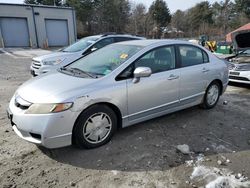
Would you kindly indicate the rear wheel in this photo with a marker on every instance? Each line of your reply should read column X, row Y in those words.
column 212, row 95
column 95, row 126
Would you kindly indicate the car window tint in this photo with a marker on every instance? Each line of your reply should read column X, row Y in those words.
column 105, row 60
column 190, row 56
column 159, row 60
column 205, row 57
column 121, row 39
column 103, row 42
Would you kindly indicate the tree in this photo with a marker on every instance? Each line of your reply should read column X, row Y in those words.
column 160, row 13
column 84, row 12
column 224, row 14
column 243, row 6
column 111, row 15
column 199, row 18
column 178, row 20
column 137, row 20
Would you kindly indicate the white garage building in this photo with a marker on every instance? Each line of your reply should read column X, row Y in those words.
column 36, row 26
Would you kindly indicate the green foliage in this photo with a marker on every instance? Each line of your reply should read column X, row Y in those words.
column 178, row 20
column 160, row 13
column 243, row 6
column 113, row 14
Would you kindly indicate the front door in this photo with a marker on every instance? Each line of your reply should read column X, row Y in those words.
column 154, row 95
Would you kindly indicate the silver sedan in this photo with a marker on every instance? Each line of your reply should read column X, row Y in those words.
column 119, row 85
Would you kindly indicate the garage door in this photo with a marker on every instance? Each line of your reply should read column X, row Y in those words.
column 57, row 32
column 15, row 32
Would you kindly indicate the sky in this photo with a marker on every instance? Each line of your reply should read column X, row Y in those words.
column 172, row 4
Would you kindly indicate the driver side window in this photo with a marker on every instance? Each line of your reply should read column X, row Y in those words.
column 159, row 60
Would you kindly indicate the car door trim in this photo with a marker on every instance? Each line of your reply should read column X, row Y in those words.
column 192, row 96
column 150, row 109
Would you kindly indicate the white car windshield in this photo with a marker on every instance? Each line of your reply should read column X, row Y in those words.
column 105, row 60
column 245, row 52
column 81, row 44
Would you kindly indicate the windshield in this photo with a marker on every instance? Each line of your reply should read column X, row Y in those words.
column 81, row 44
column 105, row 60
column 245, row 52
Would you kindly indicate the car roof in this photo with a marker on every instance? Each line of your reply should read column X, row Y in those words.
column 116, row 35
column 145, row 43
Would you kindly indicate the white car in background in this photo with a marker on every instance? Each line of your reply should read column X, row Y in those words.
column 239, row 66
column 85, row 46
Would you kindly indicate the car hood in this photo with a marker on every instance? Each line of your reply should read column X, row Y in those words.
column 54, row 87
column 241, row 40
column 241, row 59
column 56, row 55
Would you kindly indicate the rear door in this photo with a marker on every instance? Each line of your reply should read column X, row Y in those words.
column 193, row 73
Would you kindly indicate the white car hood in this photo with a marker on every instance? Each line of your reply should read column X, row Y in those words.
column 53, row 87
column 56, row 56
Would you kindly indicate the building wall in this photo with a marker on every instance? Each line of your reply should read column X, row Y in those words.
column 36, row 16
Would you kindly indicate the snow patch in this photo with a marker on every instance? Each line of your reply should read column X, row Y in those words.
column 218, row 178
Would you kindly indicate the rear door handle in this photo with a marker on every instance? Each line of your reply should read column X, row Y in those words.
column 205, row 70
column 173, row 77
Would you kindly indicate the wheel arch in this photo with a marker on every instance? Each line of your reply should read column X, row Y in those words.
column 111, row 106
column 220, row 84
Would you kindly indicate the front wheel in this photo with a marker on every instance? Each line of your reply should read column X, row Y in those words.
column 95, row 126
column 212, row 96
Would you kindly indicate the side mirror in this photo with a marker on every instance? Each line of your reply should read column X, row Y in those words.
column 141, row 72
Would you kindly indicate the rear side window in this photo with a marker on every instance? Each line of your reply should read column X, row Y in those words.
column 191, row 56
column 103, row 42
column 121, row 39
column 205, row 57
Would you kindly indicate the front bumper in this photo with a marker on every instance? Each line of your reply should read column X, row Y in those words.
column 239, row 76
column 49, row 130
column 41, row 70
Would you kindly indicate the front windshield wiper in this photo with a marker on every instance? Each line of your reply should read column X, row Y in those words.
column 79, row 71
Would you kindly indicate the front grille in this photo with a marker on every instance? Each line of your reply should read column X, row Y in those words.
column 238, row 78
column 36, row 64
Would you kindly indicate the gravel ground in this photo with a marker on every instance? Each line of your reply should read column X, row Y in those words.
column 143, row 155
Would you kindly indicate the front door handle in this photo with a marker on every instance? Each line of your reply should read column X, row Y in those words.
column 173, row 77
column 205, row 70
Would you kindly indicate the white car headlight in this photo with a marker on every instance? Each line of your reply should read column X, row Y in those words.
column 48, row 108
column 53, row 62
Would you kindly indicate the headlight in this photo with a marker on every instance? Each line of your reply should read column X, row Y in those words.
column 48, row 108
column 53, row 62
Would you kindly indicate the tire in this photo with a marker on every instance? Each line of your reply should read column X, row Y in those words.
column 94, row 127
column 211, row 96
